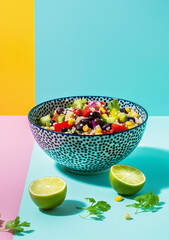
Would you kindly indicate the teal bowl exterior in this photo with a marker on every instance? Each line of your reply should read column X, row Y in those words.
column 85, row 154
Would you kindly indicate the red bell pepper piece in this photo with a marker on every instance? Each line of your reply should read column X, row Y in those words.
column 118, row 128
column 107, row 132
column 103, row 103
column 78, row 112
column 59, row 126
column 104, row 132
column 86, row 111
column 55, row 117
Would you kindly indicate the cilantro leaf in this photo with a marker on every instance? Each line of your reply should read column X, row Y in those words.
column 92, row 200
column 103, row 206
column 17, row 221
column 109, row 107
column 146, row 201
column 25, row 224
column 16, row 225
column 96, row 208
column 9, row 224
column 115, row 104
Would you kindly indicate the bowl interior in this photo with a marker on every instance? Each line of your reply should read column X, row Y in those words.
column 47, row 107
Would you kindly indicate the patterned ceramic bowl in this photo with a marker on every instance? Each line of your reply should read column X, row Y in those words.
column 85, row 154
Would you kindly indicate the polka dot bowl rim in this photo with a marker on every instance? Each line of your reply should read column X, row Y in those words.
column 55, row 99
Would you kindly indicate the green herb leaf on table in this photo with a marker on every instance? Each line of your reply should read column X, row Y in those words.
column 145, row 202
column 16, row 225
column 96, row 209
column 92, row 200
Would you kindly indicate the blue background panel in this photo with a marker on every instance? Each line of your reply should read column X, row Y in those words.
column 111, row 48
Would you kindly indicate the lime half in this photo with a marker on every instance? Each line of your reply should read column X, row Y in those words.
column 48, row 192
column 126, row 180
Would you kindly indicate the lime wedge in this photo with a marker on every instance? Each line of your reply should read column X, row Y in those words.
column 126, row 180
column 48, row 192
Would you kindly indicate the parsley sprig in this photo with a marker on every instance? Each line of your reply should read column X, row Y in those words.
column 145, row 202
column 114, row 104
column 96, row 209
column 15, row 225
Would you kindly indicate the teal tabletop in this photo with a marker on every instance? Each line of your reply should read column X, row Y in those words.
column 64, row 222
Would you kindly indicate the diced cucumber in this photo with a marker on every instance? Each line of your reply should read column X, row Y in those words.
column 45, row 119
column 107, row 119
column 110, row 119
column 122, row 117
column 104, row 117
column 79, row 103
column 60, row 118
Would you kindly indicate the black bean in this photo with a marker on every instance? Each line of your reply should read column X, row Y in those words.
column 131, row 118
column 79, row 126
column 60, row 110
column 85, row 121
column 98, row 121
column 64, row 129
column 105, row 126
column 123, row 110
column 90, row 125
column 52, row 122
column 51, row 115
column 95, row 115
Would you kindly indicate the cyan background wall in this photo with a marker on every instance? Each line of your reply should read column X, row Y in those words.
column 113, row 48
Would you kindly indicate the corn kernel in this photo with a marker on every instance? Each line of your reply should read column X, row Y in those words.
column 71, row 121
column 127, row 216
column 118, row 198
column 127, row 109
column 130, row 113
column 98, row 130
column 135, row 115
column 129, row 127
column 128, row 123
column 103, row 110
column 85, row 128
column 98, row 133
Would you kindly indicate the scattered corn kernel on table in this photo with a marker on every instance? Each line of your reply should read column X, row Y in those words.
column 64, row 222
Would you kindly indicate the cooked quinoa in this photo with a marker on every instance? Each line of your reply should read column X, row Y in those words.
column 91, row 118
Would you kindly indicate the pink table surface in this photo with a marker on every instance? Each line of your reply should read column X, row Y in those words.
column 16, row 145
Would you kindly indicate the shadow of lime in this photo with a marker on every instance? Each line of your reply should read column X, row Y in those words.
column 22, row 233
column 67, row 208
column 153, row 162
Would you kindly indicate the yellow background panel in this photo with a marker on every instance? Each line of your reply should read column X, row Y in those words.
column 17, row 58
